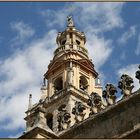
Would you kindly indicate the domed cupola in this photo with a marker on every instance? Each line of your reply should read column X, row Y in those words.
column 71, row 39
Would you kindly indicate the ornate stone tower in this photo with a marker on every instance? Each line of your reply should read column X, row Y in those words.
column 71, row 78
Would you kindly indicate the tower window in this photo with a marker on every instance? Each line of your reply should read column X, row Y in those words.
column 58, row 84
column 83, row 83
column 70, row 35
column 78, row 42
column 63, row 42
column 49, row 118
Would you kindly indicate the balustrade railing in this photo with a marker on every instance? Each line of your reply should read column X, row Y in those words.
column 78, row 48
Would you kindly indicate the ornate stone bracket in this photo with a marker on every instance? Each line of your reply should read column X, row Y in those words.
column 138, row 74
column 125, row 84
column 95, row 103
column 109, row 94
column 63, row 119
column 78, row 111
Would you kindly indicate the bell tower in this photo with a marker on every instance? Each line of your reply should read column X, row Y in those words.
column 71, row 75
column 71, row 66
column 71, row 78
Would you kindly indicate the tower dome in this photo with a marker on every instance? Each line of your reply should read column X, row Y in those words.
column 71, row 39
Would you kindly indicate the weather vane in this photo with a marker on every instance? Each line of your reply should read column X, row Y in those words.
column 69, row 18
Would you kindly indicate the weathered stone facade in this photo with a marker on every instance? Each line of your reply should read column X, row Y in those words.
column 73, row 104
column 120, row 120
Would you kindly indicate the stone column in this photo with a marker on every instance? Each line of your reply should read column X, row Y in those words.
column 74, row 42
column 30, row 102
column 51, row 87
column 67, row 41
column 48, row 93
column 55, row 122
column 70, row 74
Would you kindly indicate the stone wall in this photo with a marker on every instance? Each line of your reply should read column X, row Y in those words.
column 120, row 120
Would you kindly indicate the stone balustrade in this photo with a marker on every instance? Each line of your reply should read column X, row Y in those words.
column 77, row 47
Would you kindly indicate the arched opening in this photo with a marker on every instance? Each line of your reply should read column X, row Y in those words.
column 83, row 83
column 78, row 42
column 58, row 84
column 63, row 42
column 49, row 118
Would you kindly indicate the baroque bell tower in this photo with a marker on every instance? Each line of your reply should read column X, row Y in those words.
column 71, row 78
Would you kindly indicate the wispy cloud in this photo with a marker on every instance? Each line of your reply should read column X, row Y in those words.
column 21, row 74
column 15, row 136
column 127, row 35
column 23, row 31
column 87, row 15
column 99, row 49
column 137, row 51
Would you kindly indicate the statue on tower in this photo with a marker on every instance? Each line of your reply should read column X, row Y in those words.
column 70, row 21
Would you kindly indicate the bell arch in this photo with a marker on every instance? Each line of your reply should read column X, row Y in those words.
column 83, row 83
column 58, row 84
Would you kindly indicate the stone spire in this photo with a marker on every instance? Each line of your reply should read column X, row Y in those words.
column 30, row 101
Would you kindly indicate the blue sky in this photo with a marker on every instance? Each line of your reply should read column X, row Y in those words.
column 27, row 40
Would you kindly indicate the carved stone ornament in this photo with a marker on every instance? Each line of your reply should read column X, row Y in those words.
column 33, row 121
column 125, row 84
column 63, row 119
column 138, row 74
column 109, row 94
column 94, row 102
column 78, row 111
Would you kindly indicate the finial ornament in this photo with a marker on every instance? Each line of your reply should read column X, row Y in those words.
column 125, row 84
column 70, row 21
column 30, row 101
column 109, row 93
column 94, row 102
